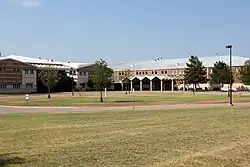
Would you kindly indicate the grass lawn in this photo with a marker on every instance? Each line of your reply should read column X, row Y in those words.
column 181, row 137
column 120, row 98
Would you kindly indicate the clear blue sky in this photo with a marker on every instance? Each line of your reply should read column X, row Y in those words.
column 87, row 30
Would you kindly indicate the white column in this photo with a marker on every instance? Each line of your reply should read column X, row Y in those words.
column 161, row 85
column 184, row 86
column 140, row 85
column 131, row 86
column 172, row 85
column 207, row 73
column 151, row 85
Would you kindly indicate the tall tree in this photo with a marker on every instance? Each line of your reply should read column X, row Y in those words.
column 221, row 74
column 49, row 77
column 245, row 73
column 195, row 72
column 101, row 76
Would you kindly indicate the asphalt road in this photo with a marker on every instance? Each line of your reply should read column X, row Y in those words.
column 27, row 110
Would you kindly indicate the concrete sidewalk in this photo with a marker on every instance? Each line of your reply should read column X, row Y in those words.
column 47, row 109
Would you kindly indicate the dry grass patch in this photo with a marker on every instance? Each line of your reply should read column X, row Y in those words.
column 180, row 137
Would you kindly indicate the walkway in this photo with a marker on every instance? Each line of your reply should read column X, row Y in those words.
column 30, row 109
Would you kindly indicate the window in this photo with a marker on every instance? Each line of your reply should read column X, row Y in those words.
column 146, row 72
column 31, row 71
column 26, row 71
column 14, row 69
column 136, row 73
column 140, row 73
column 17, row 86
column 120, row 73
column 143, row 73
column 84, row 73
column 166, row 72
column 152, row 72
column 29, row 85
column 162, row 72
column 17, row 69
column 155, row 72
column 3, row 85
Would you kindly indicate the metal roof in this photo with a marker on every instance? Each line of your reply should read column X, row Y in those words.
column 176, row 63
column 151, row 77
column 41, row 63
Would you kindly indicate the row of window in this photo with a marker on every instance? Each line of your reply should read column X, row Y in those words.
column 82, row 73
column 27, row 71
column 31, row 71
column 16, row 85
column 162, row 72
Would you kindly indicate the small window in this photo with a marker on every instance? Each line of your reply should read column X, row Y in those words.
column 31, row 71
column 165, row 72
column 155, row 72
column 146, row 72
column 26, row 71
column 162, row 72
column 136, row 73
column 14, row 69
column 120, row 73
column 29, row 85
column 140, row 73
column 17, row 86
column 17, row 69
column 152, row 72
column 143, row 73
column 84, row 73
column 3, row 85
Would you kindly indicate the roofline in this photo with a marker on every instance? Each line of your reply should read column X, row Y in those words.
column 19, row 61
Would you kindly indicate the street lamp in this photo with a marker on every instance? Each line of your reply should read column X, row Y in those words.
column 230, row 82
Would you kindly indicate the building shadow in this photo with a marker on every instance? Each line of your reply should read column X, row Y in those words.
column 9, row 159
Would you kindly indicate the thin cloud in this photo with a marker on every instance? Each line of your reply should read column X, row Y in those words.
column 25, row 3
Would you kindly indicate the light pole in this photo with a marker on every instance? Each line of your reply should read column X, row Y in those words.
column 230, row 82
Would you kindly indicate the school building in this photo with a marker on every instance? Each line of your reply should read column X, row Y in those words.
column 19, row 74
column 166, row 74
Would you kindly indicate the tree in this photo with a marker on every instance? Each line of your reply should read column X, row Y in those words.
column 195, row 72
column 245, row 73
column 221, row 74
column 49, row 77
column 101, row 76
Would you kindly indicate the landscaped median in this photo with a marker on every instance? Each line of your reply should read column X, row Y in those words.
column 121, row 99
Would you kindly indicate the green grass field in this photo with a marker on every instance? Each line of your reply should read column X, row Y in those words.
column 120, row 98
column 181, row 137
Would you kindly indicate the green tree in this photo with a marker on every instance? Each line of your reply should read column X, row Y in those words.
column 195, row 72
column 101, row 76
column 221, row 74
column 245, row 73
column 49, row 77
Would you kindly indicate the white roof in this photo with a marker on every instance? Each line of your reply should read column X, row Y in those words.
column 41, row 63
column 151, row 77
column 177, row 63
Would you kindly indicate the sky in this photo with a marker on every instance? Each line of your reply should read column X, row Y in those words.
column 123, row 30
